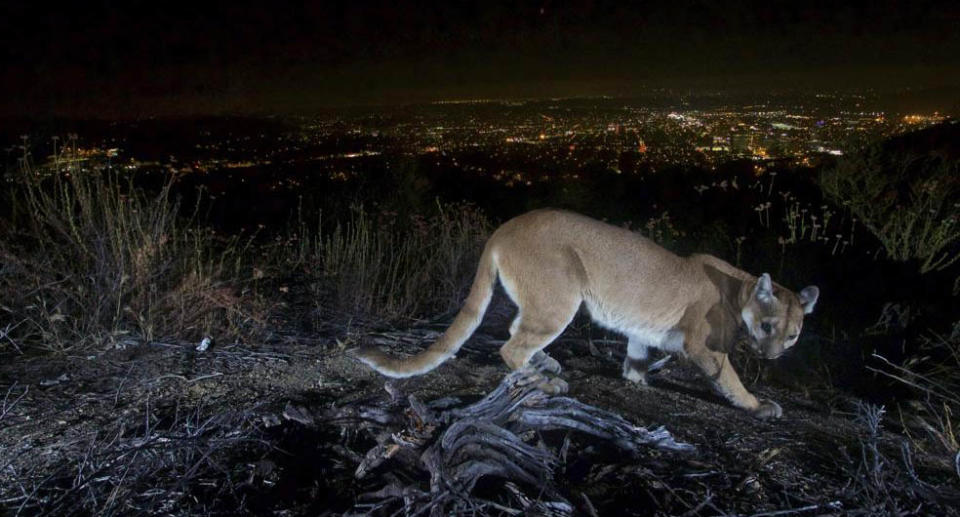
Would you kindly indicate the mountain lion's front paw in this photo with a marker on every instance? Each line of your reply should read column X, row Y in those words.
column 635, row 376
column 768, row 409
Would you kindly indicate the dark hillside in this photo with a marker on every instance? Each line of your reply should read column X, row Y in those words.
column 175, row 342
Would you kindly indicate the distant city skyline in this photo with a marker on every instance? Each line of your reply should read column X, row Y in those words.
column 146, row 59
column 560, row 135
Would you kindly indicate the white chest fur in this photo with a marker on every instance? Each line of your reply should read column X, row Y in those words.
column 641, row 334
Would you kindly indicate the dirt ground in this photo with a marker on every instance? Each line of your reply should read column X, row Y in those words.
column 165, row 429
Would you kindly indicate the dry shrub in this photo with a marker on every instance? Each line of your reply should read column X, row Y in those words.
column 882, row 484
column 390, row 266
column 933, row 375
column 97, row 261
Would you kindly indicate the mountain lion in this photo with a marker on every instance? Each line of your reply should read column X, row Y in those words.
column 551, row 261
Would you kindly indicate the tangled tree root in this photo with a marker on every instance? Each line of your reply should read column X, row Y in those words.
column 455, row 447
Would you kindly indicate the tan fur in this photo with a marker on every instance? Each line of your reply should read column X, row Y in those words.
column 551, row 261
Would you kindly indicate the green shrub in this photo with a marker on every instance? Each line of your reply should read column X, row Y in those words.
column 911, row 204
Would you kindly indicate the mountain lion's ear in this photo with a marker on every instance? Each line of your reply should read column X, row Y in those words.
column 808, row 298
column 764, row 289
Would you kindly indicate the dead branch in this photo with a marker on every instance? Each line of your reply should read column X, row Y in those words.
column 494, row 437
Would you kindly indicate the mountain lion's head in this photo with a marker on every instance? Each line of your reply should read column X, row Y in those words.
column 774, row 316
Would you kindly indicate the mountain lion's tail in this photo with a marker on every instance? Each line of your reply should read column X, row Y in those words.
column 467, row 320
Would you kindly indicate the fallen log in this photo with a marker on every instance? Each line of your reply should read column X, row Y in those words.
column 455, row 447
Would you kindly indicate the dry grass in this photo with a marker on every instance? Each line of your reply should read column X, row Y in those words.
column 882, row 484
column 394, row 267
column 96, row 262
column 187, row 465
column 933, row 376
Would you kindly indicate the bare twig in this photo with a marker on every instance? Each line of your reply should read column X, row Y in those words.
column 834, row 505
column 910, row 378
column 5, row 333
column 8, row 406
column 588, row 504
column 182, row 378
column 707, row 501
column 116, row 397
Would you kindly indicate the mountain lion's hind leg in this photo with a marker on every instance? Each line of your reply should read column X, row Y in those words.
column 525, row 347
column 541, row 319
column 529, row 338
column 637, row 360
column 539, row 359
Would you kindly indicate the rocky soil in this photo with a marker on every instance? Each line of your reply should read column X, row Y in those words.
column 162, row 428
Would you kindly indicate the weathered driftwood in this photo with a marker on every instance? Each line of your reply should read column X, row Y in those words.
column 496, row 436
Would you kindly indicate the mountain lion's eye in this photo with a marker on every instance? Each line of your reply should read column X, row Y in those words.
column 766, row 328
column 794, row 336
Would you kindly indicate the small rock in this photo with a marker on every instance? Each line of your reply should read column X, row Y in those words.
column 270, row 420
column 204, row 344
column 53, row 382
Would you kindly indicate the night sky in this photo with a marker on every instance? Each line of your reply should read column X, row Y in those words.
column 148, row 58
